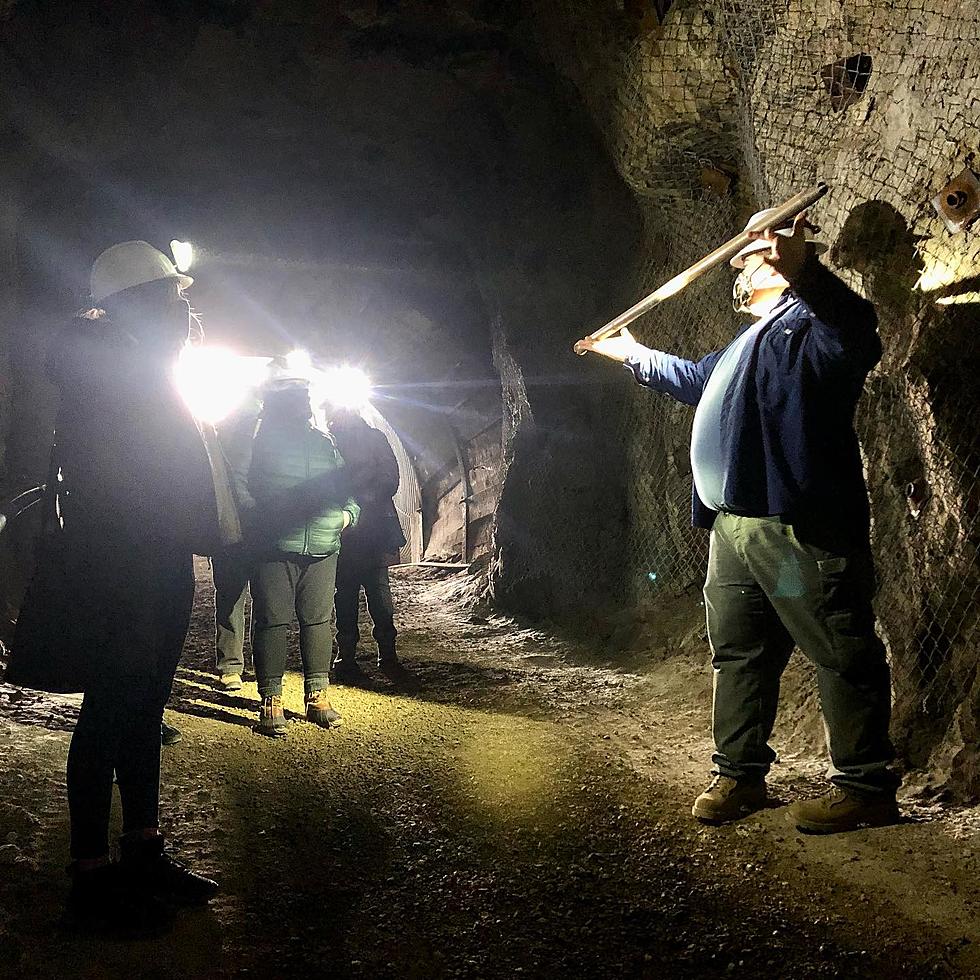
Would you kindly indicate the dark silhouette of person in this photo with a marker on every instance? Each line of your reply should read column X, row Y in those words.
column 368, row 547
column 137, row 498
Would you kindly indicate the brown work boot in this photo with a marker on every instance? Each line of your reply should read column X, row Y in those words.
column 837, row 810
column 272, row 718
column 728, row 799
column 320, row 712
column 229, row 682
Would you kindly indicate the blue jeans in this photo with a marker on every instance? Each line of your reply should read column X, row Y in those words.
column 371, row 575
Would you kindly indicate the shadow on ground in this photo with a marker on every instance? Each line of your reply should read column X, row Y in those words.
column 433, row 837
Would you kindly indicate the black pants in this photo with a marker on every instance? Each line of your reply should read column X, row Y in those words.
column 353, row 574
column 142, row 628
column 293, row 587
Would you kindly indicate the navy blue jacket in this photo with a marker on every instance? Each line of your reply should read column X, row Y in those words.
column 788, row 418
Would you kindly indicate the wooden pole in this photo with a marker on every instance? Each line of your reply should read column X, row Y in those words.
column 778, row 216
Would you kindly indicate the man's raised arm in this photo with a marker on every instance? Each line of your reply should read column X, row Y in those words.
column 674, row 376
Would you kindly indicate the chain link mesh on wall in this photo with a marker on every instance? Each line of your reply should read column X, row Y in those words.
column 880, row 100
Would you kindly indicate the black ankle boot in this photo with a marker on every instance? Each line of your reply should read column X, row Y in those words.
column 150, row 869
column 169, row 735
column 388, row 658
column 346, row 670
column 395, row 670
column 101, row 901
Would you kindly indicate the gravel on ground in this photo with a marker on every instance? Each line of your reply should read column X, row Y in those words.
column 522, row 810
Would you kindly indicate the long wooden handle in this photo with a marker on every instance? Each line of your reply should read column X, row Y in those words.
column 778, row 216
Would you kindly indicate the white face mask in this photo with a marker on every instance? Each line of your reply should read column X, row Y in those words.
column 751, row 282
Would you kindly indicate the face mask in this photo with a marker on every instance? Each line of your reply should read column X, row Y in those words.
column 288, row 403
column 157, row 318
column 749, row 282
column 742, row 292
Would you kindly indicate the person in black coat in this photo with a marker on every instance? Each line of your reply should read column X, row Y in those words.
column 137, row 498
column 368, row 548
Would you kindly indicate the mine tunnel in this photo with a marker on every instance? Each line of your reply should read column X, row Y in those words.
column 446, row 197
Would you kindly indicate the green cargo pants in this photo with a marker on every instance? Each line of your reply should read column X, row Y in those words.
column 766, row 592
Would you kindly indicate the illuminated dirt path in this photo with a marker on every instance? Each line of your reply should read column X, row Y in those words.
column 481, row 827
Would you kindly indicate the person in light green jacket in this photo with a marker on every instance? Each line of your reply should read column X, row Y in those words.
column 295, row 568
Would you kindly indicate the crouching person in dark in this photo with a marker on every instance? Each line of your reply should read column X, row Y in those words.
column 295, row 569
column 367, row 548
column 136, row 499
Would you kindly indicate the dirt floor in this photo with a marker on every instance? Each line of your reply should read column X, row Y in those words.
column 524, row 812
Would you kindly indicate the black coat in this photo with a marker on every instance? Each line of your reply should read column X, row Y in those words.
column 136, row 496
column 134, row 466
column 374, row 471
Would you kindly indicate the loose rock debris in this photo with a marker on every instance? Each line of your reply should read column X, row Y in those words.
column 521, row 813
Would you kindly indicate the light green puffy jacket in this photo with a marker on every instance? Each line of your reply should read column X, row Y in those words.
column 285, row 456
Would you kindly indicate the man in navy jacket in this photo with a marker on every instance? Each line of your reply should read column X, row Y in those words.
column 779, row 481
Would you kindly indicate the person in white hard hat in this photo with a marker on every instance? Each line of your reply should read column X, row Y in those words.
column 779, row 481
column 138, row 500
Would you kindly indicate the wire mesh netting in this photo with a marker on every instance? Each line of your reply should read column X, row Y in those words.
column 735, row 104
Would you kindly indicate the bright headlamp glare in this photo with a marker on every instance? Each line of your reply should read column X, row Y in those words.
column 183, row 253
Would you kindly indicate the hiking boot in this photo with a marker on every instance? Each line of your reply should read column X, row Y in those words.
column 348, row 671
column 101, row 901
column 272, row 718
column 837, row 810
column 150, row 870
column 728, row 799
column 169, row 735
column 320, row 712
column 229, row 682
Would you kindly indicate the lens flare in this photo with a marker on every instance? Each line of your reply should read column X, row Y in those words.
column 214, row 381
column 345, row 387
column 300, row 362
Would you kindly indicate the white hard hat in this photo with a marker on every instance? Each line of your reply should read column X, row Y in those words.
column 131, row 264
column 738, row 261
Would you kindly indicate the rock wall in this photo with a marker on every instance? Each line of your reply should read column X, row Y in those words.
column 880, row 100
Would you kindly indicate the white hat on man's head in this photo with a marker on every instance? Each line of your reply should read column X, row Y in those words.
column 130, row 264
column 758, row 245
